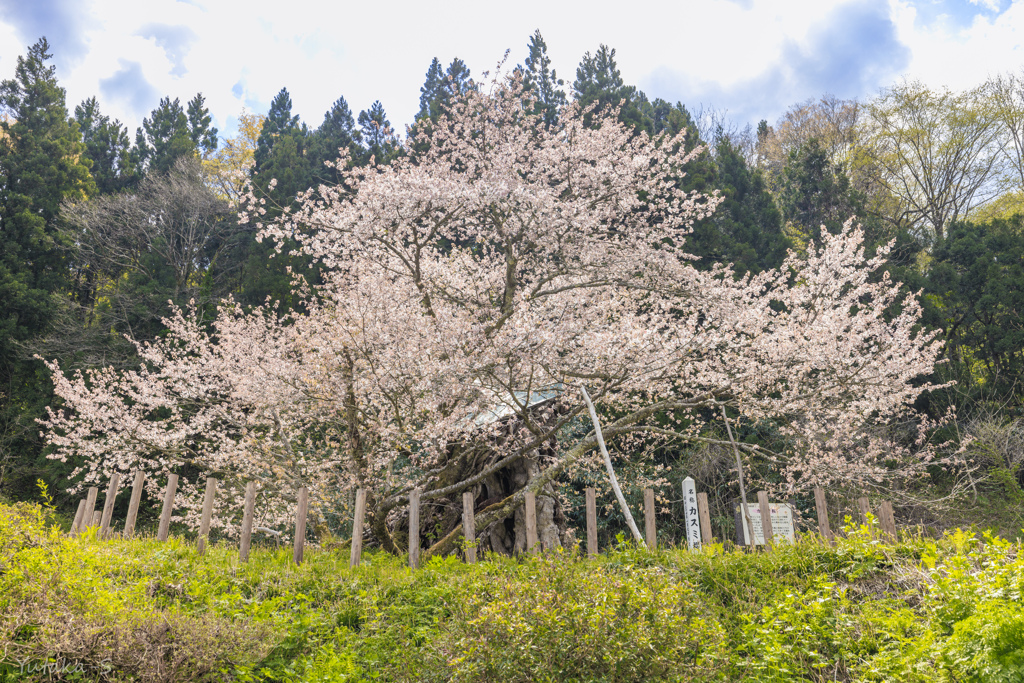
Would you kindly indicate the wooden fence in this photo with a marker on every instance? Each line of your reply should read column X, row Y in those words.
column 87, row 516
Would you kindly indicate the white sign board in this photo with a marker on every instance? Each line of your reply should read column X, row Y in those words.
column 782, row 524
column 692, row 520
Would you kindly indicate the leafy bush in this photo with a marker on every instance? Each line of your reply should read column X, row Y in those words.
column 924, row 610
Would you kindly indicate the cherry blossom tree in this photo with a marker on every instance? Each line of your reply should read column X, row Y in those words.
column 471, row 288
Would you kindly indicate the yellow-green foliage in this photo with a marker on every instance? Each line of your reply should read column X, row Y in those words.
column 924, row 610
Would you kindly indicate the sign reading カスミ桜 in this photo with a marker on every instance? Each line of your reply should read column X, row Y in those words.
column 692, row 520
column 782, row 524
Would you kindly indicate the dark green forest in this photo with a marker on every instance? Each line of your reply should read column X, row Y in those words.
column 103, row 232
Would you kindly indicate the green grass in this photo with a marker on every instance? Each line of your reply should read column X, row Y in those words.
column 950, row 609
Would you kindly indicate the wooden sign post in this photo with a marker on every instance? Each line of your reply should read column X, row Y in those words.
column 692, row 516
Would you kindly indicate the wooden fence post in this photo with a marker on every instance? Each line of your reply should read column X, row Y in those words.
column 204, row 522
column 357, row 528
column 77, row 525
column 90, row 507
column 97, row 515
column 766, row 517
column 887, row 520
column 864, row 508
column 108, row 504
column 704, row 512
column 133, row 504
column 822, row 507
column 248, row 512
column 301, row 510
column 414, row 528
column 650, row 531
column 591, row 522
column 165, row 514
column 531, row 522
column 469, row 526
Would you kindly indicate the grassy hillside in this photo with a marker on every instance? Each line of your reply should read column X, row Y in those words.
column 923, row 610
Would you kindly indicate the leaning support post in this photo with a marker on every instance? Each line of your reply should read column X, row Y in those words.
column 165, row 514
column 608, row 466
column 108, row 505
column 745, row 512
column 469, row 526
column 301, row 510
column 414, row 528
column 133, row 504
column 357, row 528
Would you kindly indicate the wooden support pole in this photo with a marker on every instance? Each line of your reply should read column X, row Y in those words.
column 357, row 528
column 531, row 522
column 77, row 526
column 301, row 510
column 864, row 508
column 414, row 528
column 133, row 504
column 469, row 526
column 97, row 515
column 248, row 512
column 650, row 531
column 766, row 516
column 204, row 522
column 90, row 507
column 887, row 520
column 821, row 505
column 165, row 514
column 108, row 505
column 591, row 522
column 704, row 512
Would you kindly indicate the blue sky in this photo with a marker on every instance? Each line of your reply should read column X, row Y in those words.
column 750, row 58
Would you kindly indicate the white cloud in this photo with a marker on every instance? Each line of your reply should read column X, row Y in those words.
column 692, row 50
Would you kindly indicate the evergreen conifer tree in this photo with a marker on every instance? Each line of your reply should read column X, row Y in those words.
column 201, row 132
column 338, row 131
column 42, row 163
column 541, row 79
column 379, row 140
column 164, row 136
column 107, row 145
